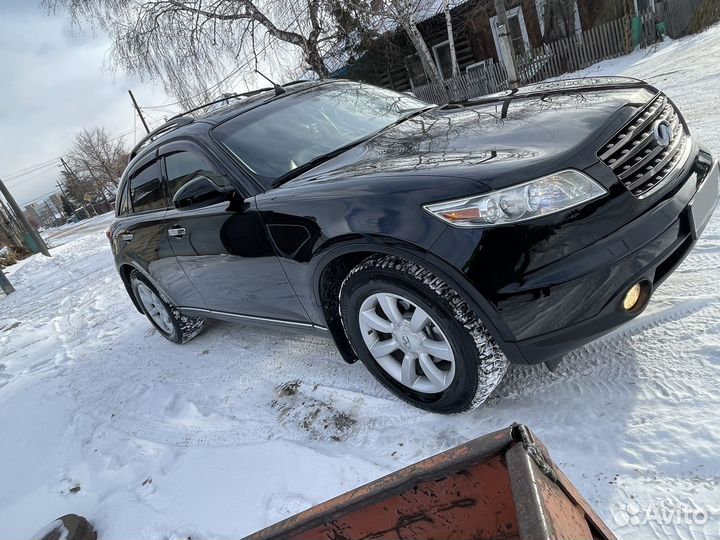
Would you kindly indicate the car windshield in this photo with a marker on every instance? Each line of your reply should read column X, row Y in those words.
column 276, row 138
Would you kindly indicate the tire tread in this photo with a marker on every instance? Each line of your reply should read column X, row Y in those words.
column 491, row 362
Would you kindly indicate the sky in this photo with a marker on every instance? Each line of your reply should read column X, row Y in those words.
column 57, row 81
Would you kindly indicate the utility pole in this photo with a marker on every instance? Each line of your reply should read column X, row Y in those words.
column 23, row 220
column 52, row 213
column 508, row 57
column 72, row 175
column 66, row 198
column 5, row 285
column 13, row 227
column 140, row 114
column 97, row 182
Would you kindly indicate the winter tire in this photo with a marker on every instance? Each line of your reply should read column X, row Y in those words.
column 165, row 317
column 418, row 337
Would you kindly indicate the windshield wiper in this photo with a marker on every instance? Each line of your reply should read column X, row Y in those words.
column 297, row 171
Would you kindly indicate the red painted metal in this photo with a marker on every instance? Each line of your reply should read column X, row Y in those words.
column 499, row 486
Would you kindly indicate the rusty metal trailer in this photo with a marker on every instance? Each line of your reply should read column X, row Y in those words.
column 500, row 486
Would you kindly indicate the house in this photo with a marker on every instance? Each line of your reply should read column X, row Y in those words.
column 392, row 62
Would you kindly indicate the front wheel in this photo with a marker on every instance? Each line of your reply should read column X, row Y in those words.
column 165, row 317
column 418, row 337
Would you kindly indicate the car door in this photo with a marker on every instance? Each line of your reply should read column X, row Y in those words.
column 224, row 247
column 140, row 234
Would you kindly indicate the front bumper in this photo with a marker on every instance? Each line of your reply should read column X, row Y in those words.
column 546, row 288
column 650, row 263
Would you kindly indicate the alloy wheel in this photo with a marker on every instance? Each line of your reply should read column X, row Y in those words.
column 155, row 308
column 407, row 343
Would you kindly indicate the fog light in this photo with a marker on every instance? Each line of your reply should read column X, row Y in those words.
column 632, row 297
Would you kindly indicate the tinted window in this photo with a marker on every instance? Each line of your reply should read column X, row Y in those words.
column 146, row 188
column 278, row 137
column 123, row 203
column 184, row 166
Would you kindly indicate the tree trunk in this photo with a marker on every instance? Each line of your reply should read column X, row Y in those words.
column 421, row 47
column 508, row 55
column 315, row 61
column 451, row 41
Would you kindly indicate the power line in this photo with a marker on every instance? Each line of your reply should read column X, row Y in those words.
column 217, row 84
column 31, row 172
column 233, row 72
column 39, row 166
column 28, row 169
column 42, row 197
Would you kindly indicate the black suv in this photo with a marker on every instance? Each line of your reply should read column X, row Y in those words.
column 435, row 244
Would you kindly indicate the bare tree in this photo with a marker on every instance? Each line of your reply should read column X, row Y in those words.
column 94, row 165
column 189, row 43
column 559, row 19
column 451, row 39
column 103, row 157
column 383, row 16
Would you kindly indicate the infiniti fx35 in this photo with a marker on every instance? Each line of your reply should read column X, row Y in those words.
column 436, row 244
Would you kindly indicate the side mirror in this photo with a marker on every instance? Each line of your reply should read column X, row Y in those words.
column 197, row 193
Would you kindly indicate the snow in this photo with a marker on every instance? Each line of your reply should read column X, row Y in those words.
column 242, row 427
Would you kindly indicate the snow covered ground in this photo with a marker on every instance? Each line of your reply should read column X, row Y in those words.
column 242, row 427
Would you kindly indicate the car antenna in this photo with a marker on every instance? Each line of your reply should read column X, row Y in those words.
column 279, row 90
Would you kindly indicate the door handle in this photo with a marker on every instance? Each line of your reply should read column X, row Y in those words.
column 128, row 237
column 177, row 232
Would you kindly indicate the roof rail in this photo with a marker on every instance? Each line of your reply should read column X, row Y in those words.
column 174, row 122
column 226, row 97
column 182, row 119
column 221, row 99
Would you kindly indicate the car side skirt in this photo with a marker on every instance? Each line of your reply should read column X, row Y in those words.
column 264, row 321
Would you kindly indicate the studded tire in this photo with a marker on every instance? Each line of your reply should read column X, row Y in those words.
column 479, row 364
column 183, row 328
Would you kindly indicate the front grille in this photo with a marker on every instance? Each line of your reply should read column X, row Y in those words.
column 635, row 156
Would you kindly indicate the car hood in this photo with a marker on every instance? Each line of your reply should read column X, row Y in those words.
column 498, row 140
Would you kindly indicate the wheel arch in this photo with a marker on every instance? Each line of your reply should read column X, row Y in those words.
column 126, row 269
column 335, row 263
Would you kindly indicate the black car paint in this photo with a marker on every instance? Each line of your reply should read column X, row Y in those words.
column 542, row 287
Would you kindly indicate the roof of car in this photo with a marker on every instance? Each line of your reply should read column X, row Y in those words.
column 236, row 104
column 241, row 104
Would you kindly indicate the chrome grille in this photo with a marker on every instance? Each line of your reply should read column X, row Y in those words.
column 635, row 156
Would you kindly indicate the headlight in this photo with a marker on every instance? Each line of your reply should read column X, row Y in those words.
column 540, row 197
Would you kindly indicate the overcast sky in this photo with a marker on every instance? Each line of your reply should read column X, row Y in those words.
column 55, row 83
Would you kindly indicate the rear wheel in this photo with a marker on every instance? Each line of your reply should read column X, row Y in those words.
column 165, row 317
column 418, row 337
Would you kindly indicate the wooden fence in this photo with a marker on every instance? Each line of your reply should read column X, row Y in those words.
column 685, row 17
column 571, row 54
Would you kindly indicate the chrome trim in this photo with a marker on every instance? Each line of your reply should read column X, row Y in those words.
column 253, row 318
column 676, row 171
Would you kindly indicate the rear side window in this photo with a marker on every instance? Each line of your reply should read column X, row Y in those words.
column 184, row 166
column 123, row 203
column 146, row 192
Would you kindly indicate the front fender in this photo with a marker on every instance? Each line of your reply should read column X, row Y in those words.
column 371, row 245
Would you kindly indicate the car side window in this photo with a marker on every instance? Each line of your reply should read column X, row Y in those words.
column 123, row 204
column 183, row 166
column 146, row 191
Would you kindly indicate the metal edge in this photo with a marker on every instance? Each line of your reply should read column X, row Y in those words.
column 563, row 482
column 529, row 507
column 252, row 318
column 435, row 467
column 574, row 495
